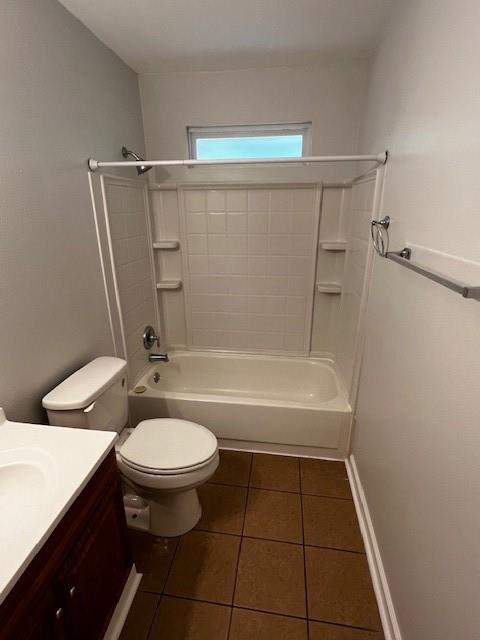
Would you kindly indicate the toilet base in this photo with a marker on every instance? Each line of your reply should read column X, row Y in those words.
column 174, row 513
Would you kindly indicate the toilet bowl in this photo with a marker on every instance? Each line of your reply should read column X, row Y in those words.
column 165, row 460
column 162, row 460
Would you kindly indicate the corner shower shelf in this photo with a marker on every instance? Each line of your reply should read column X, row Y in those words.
column 333, row 246
column 169, row 285
column 329, row 287
column 166, row 244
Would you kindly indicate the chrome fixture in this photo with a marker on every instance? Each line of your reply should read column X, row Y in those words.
column 156, row 377
column 379, row 233
column 150, row 337
column 141, row 163
column 140, row 169
column 403, row 257
column 158, row 357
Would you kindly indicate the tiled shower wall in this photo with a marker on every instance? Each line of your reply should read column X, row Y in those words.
column 335, row 212
column 249, row 264
column 128, row 224
column 356, row 278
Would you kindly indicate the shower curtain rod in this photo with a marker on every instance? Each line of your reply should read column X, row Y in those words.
column 94, row 165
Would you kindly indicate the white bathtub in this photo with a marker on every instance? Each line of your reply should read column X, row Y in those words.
column 262, row 403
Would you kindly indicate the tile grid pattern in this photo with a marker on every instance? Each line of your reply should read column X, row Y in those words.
column 128, row 230
column 277, row 553
column 249, row 259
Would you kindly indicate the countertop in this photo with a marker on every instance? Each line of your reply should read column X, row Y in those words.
column 56, row 463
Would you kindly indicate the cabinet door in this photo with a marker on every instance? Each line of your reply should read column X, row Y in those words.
column 92, row 580
column 46, row 620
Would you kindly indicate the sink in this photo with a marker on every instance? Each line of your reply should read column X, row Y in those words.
column 43, row 469
column 27, row 478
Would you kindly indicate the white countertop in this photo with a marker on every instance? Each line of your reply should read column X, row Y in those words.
column 43, row 469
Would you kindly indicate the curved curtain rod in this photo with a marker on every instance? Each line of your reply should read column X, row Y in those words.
column 380, row 158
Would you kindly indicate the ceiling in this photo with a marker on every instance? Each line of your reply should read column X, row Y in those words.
column 192, row 35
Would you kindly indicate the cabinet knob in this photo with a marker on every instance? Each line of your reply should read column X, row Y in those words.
column 72, row 591
column 59, row 613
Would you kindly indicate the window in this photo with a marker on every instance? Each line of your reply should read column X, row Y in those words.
column 249, row 141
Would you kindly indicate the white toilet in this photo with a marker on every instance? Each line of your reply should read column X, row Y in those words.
column 162, row 460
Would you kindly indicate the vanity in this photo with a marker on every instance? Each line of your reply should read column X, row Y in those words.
column 65, row 559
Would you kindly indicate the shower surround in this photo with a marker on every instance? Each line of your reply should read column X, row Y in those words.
column 258, row 291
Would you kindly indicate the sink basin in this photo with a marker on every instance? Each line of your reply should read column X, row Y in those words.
column 43, row 469
column 26, row 479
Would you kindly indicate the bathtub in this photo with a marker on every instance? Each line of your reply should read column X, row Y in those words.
column 263, row 403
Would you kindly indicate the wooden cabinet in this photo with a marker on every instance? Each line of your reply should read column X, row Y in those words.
column 70, row 589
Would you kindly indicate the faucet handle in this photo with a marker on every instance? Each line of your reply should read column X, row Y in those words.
column 150, row 337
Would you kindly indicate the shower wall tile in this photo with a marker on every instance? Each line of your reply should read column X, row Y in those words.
column 216, row 200
column 354, row 276
column 259, row 200
column 249, row 260
column 127, row 217
column 168, row 264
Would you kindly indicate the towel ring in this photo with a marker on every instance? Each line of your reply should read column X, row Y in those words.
column 379, row 233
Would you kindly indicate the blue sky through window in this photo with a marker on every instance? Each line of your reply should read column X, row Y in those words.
column 249, row 147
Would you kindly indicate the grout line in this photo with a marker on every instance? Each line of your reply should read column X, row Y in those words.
column 345, row 626
column 303, row 549
column 154, row 615
column 268, row 612
column 296, row 544
column 171, row 565
column 241, row 542
column 319, row 546
column 315, row 495
column 222, row 604
column 230, row 623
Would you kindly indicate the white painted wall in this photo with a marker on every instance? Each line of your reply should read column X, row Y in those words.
column 331, row 96
column 417, row 441
column 65, row 96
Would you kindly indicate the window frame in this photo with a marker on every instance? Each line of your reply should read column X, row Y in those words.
column 247, row 131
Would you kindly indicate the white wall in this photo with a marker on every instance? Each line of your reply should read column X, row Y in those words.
column 331, row 96
column 417, row 441
column 65, row 96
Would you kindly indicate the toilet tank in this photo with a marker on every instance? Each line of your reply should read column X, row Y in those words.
column 94, row 397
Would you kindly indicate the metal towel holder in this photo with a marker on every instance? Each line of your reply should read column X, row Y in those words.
column 379, row 233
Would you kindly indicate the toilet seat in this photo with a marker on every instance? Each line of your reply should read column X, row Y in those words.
column 166, row 446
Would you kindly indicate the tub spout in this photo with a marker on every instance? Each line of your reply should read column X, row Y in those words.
column 158, row 357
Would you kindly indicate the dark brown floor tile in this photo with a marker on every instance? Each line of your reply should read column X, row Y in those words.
column 321, row 631
column 223, row 508
column 274, row 515
column 339, row 588
column 234, row 468
column 204, row 567
column 271, row 577
column 153, row 557
column 324, row 478
column 253, row 625
column 179, row 619
column 329, row 522
column 275, row 472
column 140, row 616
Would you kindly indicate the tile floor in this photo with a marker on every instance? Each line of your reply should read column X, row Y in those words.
column 277, row 555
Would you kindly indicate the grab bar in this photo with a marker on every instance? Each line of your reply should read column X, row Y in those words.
column 403, row 257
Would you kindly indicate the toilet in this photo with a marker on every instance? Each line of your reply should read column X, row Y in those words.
column 162, row 461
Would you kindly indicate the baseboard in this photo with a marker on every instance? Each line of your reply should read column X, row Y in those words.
column 391, row 629
column 120, row 614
